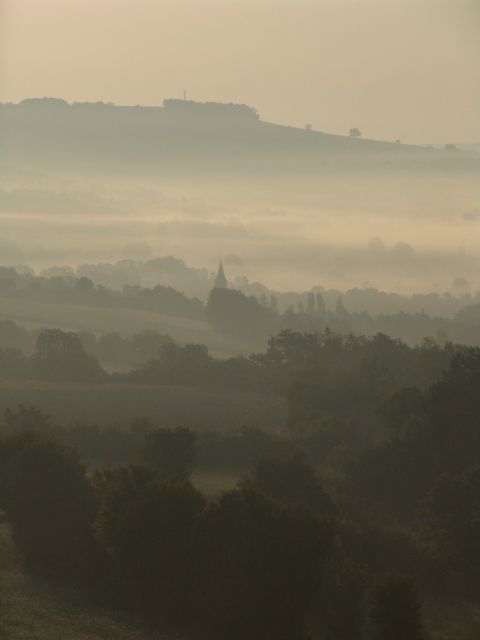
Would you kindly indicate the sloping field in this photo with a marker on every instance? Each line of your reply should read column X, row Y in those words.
column 124, row 321
column 104, row 404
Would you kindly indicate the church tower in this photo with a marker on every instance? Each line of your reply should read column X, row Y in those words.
column 220, row 279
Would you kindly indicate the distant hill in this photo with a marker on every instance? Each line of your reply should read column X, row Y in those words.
column 470, row 315
column 181, row 135
column 470, row 147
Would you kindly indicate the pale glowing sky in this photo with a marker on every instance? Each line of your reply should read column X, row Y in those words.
column 407, row 69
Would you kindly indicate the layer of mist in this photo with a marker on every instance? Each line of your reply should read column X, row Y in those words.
column 291, row 208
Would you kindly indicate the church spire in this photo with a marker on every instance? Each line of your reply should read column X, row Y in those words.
column 220, row 279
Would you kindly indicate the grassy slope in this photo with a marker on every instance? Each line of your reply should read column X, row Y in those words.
column 125, row 321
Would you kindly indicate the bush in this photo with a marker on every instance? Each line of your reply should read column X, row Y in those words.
column 149, row 527
column 292, row 481
column 262, row 566
column 396, row 611
column 171, row 452
column 51, row 507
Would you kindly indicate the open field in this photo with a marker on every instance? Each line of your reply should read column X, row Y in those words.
column 170, row 406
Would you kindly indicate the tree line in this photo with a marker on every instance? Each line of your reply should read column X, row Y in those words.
column 253, row 318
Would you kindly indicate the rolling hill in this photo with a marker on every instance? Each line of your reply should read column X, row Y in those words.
column 185, row 136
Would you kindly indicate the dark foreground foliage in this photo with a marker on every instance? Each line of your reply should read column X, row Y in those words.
column 336, row 530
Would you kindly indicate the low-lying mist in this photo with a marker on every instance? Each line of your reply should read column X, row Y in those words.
column 407, row 233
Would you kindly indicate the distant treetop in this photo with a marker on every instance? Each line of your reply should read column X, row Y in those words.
column 210, row 109
column 44, row 102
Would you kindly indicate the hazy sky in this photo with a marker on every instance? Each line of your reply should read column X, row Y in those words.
column 407, row 69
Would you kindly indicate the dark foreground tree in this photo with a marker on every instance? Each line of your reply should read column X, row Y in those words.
column 27, row 418
column 342, row 605
column 262, row 566
column 51, row 507
column 149, row 527
column 396, row 611
column 231, row 312
column 171, row 452
column 60, row 356
column 452, row 511
column 290, row 480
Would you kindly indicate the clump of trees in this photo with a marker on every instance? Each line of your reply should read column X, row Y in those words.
column 170, row 452
column 51, row 506
column 70, row 288
column 60, row 356
column 230, row 311
column 396, row 611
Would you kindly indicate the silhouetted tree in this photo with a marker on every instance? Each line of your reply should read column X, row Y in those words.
column 13, row 364
column 396, row 611
column 264, row 564
column 27, row 418
column 150, row 528
column 171, row 452
column 340, row 309
column 232, row 312
column 52, row 507
column 290, row 480
column 274, row 304
column 84, row 285
column 60, row 356
column 342, row 613
column 13, row 336
column 452, row 521
column 402, row 406
column 321, row 306
column 55, row 342
column 174, row 364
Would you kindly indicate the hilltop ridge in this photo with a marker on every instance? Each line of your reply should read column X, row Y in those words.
column 184, row 135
